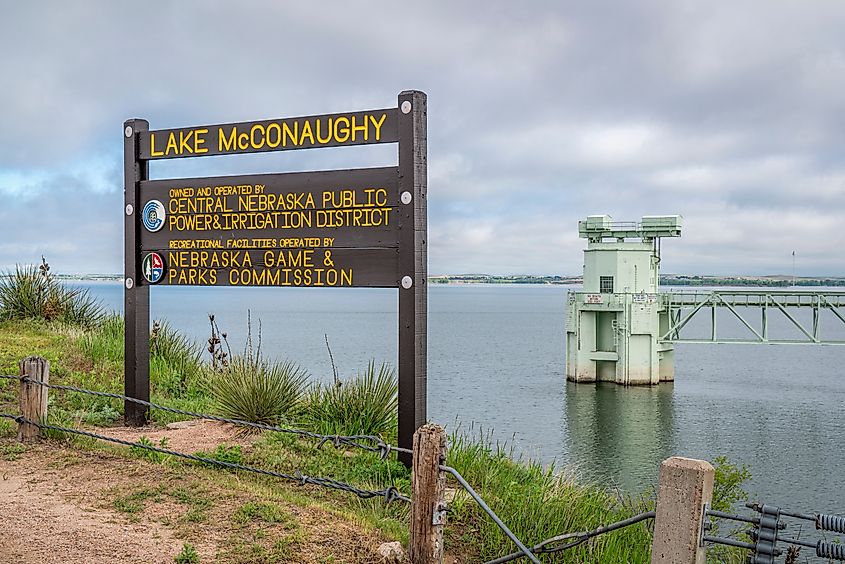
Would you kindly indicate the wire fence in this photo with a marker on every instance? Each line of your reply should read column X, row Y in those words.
column 368, row 443
column 354, row 441
column 388, row 494
column 552, row 545
column 761, row 540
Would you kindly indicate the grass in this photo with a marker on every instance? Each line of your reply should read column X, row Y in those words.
column 267, row 512
column 365, row 405
column 135, row 502
column 537, row 502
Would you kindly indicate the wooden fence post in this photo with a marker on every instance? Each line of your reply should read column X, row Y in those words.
column 428, row 501
column 685, row 486
column 33, row 398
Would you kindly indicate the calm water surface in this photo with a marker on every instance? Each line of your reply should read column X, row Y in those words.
column 496, row 362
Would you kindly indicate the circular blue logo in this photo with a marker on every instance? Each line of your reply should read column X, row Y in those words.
column 153, row 215
column 153, row 268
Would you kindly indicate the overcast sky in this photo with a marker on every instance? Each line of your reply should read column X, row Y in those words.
column 729, row 113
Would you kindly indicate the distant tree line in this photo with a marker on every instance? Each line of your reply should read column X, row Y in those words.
column 729, row 281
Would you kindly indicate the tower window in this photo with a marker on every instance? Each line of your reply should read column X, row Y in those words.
column 606, row 284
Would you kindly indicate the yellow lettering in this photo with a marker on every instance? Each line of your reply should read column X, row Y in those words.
column 306, row 132
column 153, row 151
column 200, row 141
column 256, row 127
column 288, row 133
column 364, row 128
column 328, row 137
column 270, row 128
column 341, row 135
column 184, row 139
column 378, row 125
column 171, row 145
column 224, row 143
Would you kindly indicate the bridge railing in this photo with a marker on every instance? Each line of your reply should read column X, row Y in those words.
column 754, row 298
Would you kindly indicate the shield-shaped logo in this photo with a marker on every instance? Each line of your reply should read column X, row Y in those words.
column 153, row 268
column 153, row 215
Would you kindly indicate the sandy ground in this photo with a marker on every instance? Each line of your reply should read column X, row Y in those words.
column 57, row 505
column 52, row 515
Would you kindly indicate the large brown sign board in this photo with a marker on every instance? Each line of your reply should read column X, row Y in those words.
column 339, row 228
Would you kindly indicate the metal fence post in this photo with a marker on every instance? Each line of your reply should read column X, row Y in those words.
column 428, row 501
column 686, row 485
column 33, row 398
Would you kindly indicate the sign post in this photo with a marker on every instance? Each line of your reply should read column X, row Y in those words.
column 338, row 228
column 136, row 303
column 413, row 259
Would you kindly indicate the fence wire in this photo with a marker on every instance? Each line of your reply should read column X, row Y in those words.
column 354, row 441
column 548, row 546
column 389, row 494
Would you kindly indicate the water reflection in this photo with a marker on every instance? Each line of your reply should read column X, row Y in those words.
column 619, row 435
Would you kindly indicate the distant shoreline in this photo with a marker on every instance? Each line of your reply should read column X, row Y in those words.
column 667, row 280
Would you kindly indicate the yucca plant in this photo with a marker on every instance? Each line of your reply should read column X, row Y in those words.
column 258, row 390
column 30, row 292
column 365, row 405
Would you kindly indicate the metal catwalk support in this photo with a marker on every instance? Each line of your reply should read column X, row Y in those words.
column 682, row 307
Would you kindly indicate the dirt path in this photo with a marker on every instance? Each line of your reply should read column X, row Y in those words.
column 63, row 504
column 49, row 512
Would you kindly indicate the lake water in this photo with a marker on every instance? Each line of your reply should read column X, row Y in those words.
column 496, row 362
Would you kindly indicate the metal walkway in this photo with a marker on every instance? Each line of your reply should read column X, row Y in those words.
column 682, row 307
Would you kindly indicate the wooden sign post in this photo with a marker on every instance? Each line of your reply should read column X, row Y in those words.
column 339, row 228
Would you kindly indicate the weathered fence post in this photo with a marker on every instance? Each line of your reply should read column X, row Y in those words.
column 685, row 486
column 428, row 501
column 33, row 398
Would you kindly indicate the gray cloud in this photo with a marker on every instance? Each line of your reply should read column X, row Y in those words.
column 539, row 114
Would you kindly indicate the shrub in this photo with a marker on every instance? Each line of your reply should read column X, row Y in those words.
column 30, row 292
column 365, row 405
column 257, row 390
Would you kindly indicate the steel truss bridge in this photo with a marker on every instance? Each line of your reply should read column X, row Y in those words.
column 752, row 308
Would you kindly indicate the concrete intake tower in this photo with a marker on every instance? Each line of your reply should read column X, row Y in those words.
column 613, row 326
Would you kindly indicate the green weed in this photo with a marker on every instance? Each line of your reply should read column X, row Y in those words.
column 267, row 512
column 135, row 502
column 189, row 555
column 12, row 452
column 151, row 455
column 365, row 405
column 223, row 453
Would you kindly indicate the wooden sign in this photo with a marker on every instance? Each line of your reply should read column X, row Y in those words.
column 339, row 228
